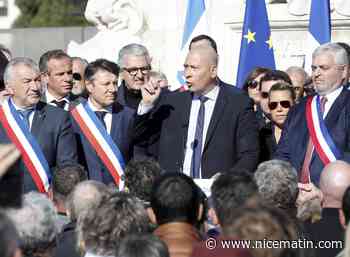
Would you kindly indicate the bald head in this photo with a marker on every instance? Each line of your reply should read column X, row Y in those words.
column 206, row 53
column 335, row 178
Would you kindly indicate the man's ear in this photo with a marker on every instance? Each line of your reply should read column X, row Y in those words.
column 212, row 215
column 200, row 212
column 45, row 77
column 89, row 85
column 151, row 215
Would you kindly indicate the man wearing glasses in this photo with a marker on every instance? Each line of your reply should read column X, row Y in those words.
column 78, row 67
column 317, row 129
column 135, row 65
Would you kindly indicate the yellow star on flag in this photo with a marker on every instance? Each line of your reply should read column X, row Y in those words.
column 250, row 36
column 269, row 42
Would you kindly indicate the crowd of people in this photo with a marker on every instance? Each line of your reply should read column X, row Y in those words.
column 102, row 159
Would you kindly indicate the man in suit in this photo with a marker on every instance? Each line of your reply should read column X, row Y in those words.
column 329, row 68
column 115, row 119
column 208, row 129
column 50, row 126
column 56, row 69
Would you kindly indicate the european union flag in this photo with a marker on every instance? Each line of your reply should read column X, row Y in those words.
column 256, row 43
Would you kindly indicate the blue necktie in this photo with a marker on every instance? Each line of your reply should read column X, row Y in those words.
column 101, row 115
column 198, row 140
column 25, row 115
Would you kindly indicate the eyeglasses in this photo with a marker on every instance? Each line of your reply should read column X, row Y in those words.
column 253, row 84
column 264, row 95
column 285, row 104
column 77, row 76
column 134, row 70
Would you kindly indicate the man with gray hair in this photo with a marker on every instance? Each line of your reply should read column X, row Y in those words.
column 36, row 225
column 298, row 77
column 78, row 67
column 135, row 64
column 328, row 109
column 42, row 132
column 277, row 183
column 86, row 196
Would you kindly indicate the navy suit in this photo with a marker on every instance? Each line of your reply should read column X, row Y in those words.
column 295, row 135
column 231, row 140
column 52, row 129
column 121, row 134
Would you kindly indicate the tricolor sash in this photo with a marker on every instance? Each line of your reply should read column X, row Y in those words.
column 32, row 155
column 320, row 136
column 100, row 141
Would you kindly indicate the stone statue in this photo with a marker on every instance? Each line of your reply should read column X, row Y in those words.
column 119, row 22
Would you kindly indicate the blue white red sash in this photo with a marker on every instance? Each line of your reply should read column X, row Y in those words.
column 320, row 136
column 100, row 141
column 32, row 155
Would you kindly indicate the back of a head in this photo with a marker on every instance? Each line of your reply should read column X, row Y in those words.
column 140, row 176
column 230, row 191
column 175, row 197
column 64, row 180
column 142, row 245
column 276, row 75
column 9, row 239
column 35, row 223
column 334, row 180
column 85, row 196
column 101, row 228
column 278, row 184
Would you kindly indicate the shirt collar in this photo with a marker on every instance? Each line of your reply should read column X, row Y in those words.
column 93, row 108
column 212, row 94
column 50, row 98
column 20, row 108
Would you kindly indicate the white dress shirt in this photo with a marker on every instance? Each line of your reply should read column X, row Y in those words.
column 209, row 108
column 50, row 98
column 331, row 97
column 107, row 118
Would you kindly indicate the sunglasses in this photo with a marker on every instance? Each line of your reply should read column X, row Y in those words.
column 285, row 104
column 264, row 95
column 76, row 76
column 253, row 84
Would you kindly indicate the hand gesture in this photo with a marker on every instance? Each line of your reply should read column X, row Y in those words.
column 150, row 92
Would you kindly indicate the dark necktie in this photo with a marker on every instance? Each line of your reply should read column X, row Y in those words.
column 59, row 104
column 305, row 171
column 101, row 115
column 25, row 115
column 198, row 140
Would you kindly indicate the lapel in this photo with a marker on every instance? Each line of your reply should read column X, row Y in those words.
column 38, row 118
column 185, row 109
column 338, row 105
column 216, row 115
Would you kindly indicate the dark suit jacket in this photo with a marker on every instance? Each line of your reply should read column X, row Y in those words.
column 295, row 135
column 52, row 129
column 122, row 122
column 231, row 140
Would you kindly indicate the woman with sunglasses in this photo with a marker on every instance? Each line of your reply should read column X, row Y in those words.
column 281, row 99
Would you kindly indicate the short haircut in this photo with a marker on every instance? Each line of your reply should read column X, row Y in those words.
column 346, row 47
column 9, row 239
column 346, row 205
column 210, row 40
column 140, row 176
column 81, row 60
column 51, row 54
column 338, row 52
column 230, row 191
column 64, row 180
column 277, row 182
column 283, row 86
column 134, row 50
column 35, row 223
column 275, row 75
column 175, row 197
column 16, row 62
column 86, row 195
column 102, row 228
column 100, row 65
column 296, row 69
column 252, row 75
column 142, row 245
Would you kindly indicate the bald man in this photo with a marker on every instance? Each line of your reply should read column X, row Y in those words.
column 208, row 129
column 334, row 180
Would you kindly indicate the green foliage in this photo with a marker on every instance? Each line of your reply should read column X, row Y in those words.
column 49, row 13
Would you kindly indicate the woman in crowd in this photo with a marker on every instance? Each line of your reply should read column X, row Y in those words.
column 281, row 98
